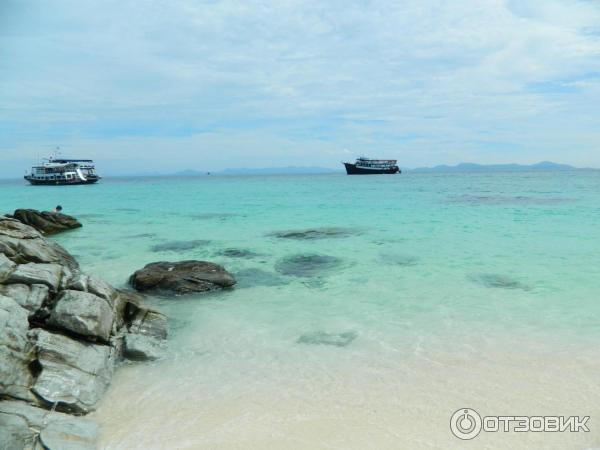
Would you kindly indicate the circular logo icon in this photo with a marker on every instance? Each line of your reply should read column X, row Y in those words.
column 465, row 423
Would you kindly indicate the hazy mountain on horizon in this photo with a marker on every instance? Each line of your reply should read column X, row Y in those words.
column 473, row 167
column 462, row 167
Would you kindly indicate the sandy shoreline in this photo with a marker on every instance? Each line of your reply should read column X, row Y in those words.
column 331, row 402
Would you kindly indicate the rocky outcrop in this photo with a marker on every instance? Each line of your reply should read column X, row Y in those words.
column 182, row 277
column 46, row 222
column 23, row 426
column 23, row 244
column 62, row 333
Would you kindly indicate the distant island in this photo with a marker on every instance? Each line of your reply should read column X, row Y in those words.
column 472, row 167
column 459, row 168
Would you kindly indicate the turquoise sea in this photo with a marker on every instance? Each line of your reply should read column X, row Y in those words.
column 367, row 310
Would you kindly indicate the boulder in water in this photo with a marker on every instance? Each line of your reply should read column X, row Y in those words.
column 183, row 277
column 46, row 222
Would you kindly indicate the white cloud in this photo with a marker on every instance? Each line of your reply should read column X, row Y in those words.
column 430, row 81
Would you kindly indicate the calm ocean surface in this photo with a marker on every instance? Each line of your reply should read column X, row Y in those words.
column 414, row 296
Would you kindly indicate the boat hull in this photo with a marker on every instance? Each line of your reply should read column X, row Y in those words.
column 352, row 169
column 37, row 182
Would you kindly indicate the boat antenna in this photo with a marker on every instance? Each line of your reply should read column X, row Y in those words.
column 56, row 154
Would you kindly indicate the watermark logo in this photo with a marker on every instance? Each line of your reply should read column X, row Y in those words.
column 466, row 424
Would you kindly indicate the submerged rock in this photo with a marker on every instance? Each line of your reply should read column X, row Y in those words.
column 309, row 265
column 322, row 338
column 237, row 253
column 398, row 260
column 46, row 222
column 179, row 246
column 493, row 280
column 24, row 426
column 316, row 233
column 258, row 277
column 182, row 277
column 210, row 216
column 508, row 200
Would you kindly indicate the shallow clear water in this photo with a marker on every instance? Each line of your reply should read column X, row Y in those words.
column 413, row 296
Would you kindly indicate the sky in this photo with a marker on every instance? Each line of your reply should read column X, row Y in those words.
column 160, row 86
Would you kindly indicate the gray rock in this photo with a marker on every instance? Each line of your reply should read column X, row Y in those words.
column 23, row 426
column 78, row 282
column 13, row 228
column 15, row 377
column 66, row 278
column 31, row 273
column 92, row 284
column 148, row 331
column 84, row 314
column 6, row 267
column 150, row 323
column 46, row 222
column 29, row 297
column 70, row 434
column 139, row 347
column 126, row 305
column 182, row 277
column 101, row 288
column 23, row 244
column 73, row 374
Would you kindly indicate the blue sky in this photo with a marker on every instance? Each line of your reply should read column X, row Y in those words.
column 145, row 86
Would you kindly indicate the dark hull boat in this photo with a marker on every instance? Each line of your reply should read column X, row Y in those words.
column 63, row 172
column 365, row 166
column 59, row 182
